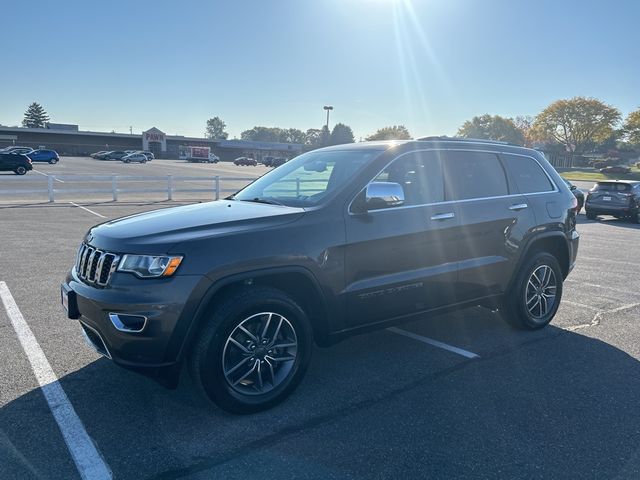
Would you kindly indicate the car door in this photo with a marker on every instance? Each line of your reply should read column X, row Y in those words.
column 402, row 260
column 493, row 220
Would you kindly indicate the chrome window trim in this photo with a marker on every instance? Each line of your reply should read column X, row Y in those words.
column 449, row 202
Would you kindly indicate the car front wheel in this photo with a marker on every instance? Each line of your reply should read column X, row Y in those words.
column 53, row 161
column 534, row 297
column 253, row 351
column 20, row 171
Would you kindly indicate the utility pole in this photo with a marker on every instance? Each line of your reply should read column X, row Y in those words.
column 131, row 130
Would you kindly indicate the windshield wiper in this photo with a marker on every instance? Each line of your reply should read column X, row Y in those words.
column 267, row 200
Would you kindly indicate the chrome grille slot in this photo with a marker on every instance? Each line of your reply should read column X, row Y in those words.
column 95, row 266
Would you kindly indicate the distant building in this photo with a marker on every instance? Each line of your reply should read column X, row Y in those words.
column 68, row 140
column 68, row 127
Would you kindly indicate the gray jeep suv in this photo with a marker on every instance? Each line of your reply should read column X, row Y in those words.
column 332, row 243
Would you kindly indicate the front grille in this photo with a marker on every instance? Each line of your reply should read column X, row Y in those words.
column 95, row 266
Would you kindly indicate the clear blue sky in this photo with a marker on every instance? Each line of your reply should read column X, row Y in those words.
column 428, row 64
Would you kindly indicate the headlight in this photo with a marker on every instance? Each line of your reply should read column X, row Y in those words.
column 149, row 266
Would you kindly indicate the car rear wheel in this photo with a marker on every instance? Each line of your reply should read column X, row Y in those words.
column 591, row 215
column 635, row 217
column 20, row 170
column 53, row 161
column 534, row 298
column 253, row 351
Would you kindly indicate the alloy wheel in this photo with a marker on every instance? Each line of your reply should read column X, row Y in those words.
column 260, row 353
column 540, row 294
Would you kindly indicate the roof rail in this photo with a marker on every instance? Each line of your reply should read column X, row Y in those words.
column 444, row 138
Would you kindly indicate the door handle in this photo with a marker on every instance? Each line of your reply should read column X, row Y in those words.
column 518, row 206
column 442, row 216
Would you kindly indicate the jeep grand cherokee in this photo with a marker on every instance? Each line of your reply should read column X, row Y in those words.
column 332, row 243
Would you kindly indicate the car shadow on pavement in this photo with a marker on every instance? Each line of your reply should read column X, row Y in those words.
column 562, row 405
column 618, row 222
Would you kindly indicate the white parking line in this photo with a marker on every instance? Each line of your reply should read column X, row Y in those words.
column 85, row 455
column 434, row 343
column 44, row 174
column 85, row 208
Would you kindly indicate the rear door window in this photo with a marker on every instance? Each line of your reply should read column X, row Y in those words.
column 470, row 175
column 527, row 174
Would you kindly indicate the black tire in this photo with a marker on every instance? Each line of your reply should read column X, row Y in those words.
column 635, row 217
column 20, row 170
column 515, row 308
column 591, row 215
column 207, row 357
column 53, row 161
column 144, row 161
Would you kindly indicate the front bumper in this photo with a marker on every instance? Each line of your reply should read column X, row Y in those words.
column 168, row 306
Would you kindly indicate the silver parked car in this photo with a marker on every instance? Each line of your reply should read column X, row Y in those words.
column 135, row 157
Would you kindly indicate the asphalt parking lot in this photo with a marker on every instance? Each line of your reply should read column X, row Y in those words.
column 453, row 396
column 200, row 178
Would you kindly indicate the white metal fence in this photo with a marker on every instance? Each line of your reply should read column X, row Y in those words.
column 114, row 185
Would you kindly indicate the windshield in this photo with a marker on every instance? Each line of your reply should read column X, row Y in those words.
column 612, row 187
column 308, row 179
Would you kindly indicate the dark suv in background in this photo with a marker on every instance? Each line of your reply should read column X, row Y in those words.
column 335, row 242
column 15, row 162
column 620, row 198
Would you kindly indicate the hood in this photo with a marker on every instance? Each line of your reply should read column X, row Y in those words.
column 156, row 232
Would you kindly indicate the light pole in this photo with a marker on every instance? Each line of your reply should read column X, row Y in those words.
column 328, row 108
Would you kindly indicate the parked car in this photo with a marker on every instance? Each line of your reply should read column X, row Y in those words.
column 114, row 155
column 245, row 161
column 620, row 198
column 579, row 194
column 20, row 150
column 150, row 156
column 616, row 169
column 135, row 158
column 15, row 162
column 380, row 233
column 129, row 152
column 42, row 155
column 103, row 155
column 97, row 154
column 266, row 161
column 276, row 162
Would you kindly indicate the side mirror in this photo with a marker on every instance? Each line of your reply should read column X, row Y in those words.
column 572, row 187
column 383, row 195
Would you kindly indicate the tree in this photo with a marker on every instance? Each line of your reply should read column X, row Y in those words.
column 578, row 123
column 35, row 116
column 632, row 127
column 216, row 128
column 313, row 137
column 524, row 123
column 395, row 132
column 262, row 134
column 340, row 134
column 293, row 135
column 492, row 127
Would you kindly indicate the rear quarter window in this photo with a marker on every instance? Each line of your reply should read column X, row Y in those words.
column 527, row 174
